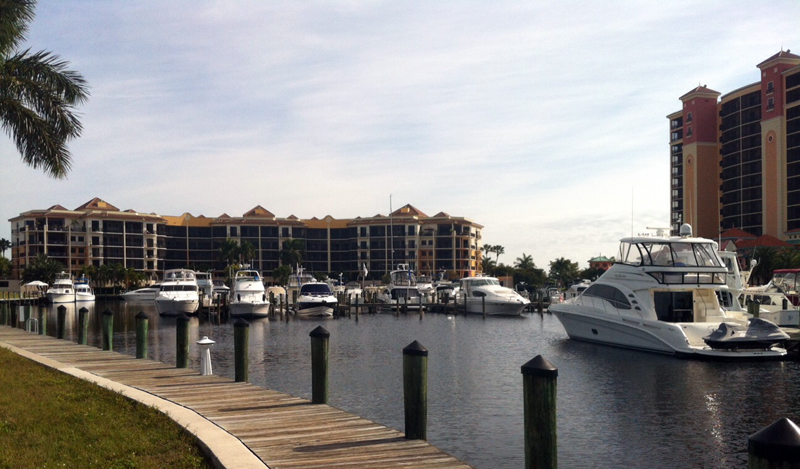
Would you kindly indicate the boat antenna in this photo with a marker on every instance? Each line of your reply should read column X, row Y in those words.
column 391, row 236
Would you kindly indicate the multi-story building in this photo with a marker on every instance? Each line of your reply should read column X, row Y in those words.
column 735, row 158
column 97, row 233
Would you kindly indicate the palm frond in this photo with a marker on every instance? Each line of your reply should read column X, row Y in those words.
column 15, row 15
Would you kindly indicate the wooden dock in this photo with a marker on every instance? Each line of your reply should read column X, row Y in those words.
column 281, row 430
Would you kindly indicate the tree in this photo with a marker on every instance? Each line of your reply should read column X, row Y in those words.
column 228, row 253
column 292, row 252
column 525, row 262
column 5, row 268
column 487, row 265
column 563, row 271
column 281, row 274
column 497, row 249
column 42, row 268
column 246, row 252
column 37, row 95
column 4, row 246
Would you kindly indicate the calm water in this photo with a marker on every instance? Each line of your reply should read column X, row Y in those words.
column 615, row 407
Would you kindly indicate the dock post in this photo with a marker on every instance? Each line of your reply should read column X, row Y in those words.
column 182, row 341
column 61, row 321
column 357, row 311
column 483, row 306
column 241, row 342
column 42, row 321
column 4, row 313
column 415, row 390
column 142, row 324
column 539, row 380
column 420, row 306
column 541, row 303
column 319, row 365
column 83, row 326
column 28, row 313
column 108, row 330
column 753, row 308
column 272, row 303
column 785, row 304
column 777, row 445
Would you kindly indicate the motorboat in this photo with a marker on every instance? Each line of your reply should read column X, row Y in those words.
column 62, row 290
column 485, row 295
column 402, row 290
column 205, row 286
column 298, row 278
column 773, row 304
column 426, row 287
column 142, row 294
column 179, row 293
column 661, row 295
column 248, row 297
column 83, row 291
column 315, row 299
column 577, row 288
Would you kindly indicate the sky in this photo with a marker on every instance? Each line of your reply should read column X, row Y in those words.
column 545, row 122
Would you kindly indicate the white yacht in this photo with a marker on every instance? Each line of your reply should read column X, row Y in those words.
column 662, row 296
column 297, row 280
column 486, row 292
column 315, row 299
column 248, row 297
column 83, row 292
column 402, row 289
column 577, row 288
column 142, row 294
column 62, row 290
column 178, row 293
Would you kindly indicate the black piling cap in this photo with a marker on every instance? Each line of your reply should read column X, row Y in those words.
column 141, row 315
column 539, row 366
column 777, row 442
column 415, row 348
column 107, row 313
column 62, row 308
column 241, row 323
column 83, row 310
column 183, row 317
column 320, row 333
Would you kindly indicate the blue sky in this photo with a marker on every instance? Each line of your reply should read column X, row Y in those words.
column 543, row 121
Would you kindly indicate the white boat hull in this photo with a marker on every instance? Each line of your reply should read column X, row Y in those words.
column 176, row 306
column 317, row 309
column 684, row 339
column 61, row 297
column 497, row 308
column 249, row 309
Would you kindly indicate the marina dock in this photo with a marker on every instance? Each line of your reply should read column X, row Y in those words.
column 241, row 425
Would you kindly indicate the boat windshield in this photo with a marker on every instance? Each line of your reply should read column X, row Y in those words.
column 786, row 281
column 669, row 254
column 479, row 282
column 315, row 289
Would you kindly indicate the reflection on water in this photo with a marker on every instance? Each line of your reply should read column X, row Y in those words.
column 616, row 408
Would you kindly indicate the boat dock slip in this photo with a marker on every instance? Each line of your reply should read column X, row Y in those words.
column 240, row 424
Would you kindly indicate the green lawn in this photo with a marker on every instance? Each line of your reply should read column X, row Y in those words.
column 49, row 419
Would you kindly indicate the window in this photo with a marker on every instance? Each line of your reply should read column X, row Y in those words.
column 689, row 117
column 689, row 131
column 770, row 87
column 608, row 293
column 770, row 104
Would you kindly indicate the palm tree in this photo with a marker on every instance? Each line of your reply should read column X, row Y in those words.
column 4, row 246
column 37, row 95
column 229, row 252
column 281, row 274
column 246, row 252
column 525, row 262
column 487, row 265
column 563, row 271
column 42, row 268
column 497, row 249
column 292, row 252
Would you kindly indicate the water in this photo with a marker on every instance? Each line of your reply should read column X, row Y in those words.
column 616, row 408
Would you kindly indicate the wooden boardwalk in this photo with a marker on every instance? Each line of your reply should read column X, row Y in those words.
column 282, row 430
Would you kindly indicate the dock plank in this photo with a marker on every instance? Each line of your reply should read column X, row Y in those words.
column 284, row 431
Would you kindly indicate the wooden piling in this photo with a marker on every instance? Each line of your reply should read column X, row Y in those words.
column 539, row 384
column 775, row 446
column 483, row 305
column 83, row 326
column 4, row 313
column 415, row 391
column 142, row 324
column 182, row 341
column 42, row 313
column 61, row 321
column 753, row 308
column 108, row 330
column 319, row 365
column 241, row 343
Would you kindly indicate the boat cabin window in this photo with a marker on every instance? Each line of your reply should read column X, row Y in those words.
column 669, row 254
column 787, row 280
column 316, row 288
column 608, row 293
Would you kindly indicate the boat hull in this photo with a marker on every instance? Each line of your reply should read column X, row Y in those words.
column 651, row 336
column 61, row 297
column 497, row 308
column 248, row 309
column 176, row 306
column 313, row 308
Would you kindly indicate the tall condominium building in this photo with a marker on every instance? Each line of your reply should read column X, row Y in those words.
column 98, row 233
column 735, row 158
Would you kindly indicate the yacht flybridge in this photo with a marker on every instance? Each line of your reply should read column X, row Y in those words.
column 662, row 296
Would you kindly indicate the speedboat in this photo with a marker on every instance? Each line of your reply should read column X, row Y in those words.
column 315, row 299
column 662, row 295
column 178, row 293
column 62, row 290
column 486, row 294
column 402, row 289
column 248, row 297
column 142, row 294
column 297, row 280
column 83, row 292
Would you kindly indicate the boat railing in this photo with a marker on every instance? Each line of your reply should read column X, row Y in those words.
column 693, row 277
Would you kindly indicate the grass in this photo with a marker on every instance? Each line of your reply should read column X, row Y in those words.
column 49, row 419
